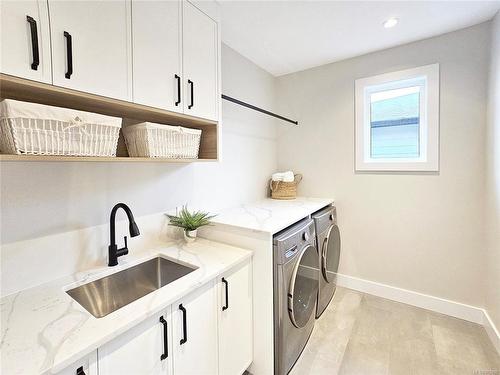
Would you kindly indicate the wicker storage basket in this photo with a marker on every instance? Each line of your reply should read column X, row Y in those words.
column 162, row 141
column 284, row 190
column 37, row 129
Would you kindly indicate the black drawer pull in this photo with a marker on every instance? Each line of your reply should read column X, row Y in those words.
column 165, row 338
column 79, row 371
column 178, row 101
column 69, row 54
column 184, row 324
column 191, row 84
column 34, row 42
column 226, row 306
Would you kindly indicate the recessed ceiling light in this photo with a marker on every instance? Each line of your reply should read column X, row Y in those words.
column 391, row 22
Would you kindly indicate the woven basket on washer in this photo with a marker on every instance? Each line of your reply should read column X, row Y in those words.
column 162, row 141
column 284, row 190
column 37, row 129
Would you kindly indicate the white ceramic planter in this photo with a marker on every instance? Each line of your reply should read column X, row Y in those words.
column 190, row 235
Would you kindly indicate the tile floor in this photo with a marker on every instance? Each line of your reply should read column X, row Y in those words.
column 361, row 334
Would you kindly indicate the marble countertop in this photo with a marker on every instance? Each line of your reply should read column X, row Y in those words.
column 44, row 330
column 271, row 215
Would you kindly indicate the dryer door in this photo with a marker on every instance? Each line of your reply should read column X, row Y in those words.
column 330, row 254
column 303, row 290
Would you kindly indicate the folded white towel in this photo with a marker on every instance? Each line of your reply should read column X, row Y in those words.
column 287, row 176
column 277, row 176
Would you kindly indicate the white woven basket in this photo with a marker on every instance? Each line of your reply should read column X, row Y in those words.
column 37, row 129
column 162, row 141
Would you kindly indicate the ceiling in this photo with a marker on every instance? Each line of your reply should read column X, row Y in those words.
column 288, row 36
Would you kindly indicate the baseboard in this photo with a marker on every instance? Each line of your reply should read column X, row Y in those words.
column 425, row 301
column 440, row 305
column 492, row 331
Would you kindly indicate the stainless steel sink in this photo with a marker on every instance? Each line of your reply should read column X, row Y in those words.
column 103, row 296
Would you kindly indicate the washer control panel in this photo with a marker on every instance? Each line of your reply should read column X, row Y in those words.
column 288, row 243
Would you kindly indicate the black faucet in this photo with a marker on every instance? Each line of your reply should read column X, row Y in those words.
column 113, row 250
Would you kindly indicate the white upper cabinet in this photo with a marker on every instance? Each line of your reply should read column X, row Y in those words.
column 163, row 54
column 157, row 54
column 25, row 40
column 144, row 349
column 235, row 321
column 194, row 321
column 91, row 46
column 200, row 55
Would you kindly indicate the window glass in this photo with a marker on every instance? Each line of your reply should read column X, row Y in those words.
column 395, row 123
column 397, row 120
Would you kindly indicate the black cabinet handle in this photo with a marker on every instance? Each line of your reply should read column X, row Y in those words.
column 226, row 306
column 34, row 43
column 69, row 54
column 191, row 84
column 79, row 371
column 184, row 324
column 178, row 101
column 165, row 338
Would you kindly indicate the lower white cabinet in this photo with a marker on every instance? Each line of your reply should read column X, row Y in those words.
column 194, row 322
column 145, row 349
column 235, row 320
column 207, row 332
column 85, row 366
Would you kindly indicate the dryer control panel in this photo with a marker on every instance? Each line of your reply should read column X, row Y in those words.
column 290, row 241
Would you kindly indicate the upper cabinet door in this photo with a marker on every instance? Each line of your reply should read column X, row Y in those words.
column 91, row 46
column 200, row 52
column 156, row 40
column 25, row 40
column 194, row 321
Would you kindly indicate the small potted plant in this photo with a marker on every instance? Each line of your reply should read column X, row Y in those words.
column 190, row 222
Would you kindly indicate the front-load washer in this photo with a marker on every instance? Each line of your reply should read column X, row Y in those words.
column 328, row 243
column 295, row 292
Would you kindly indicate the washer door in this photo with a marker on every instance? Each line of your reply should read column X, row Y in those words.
column 303, row 290
column 330, row 254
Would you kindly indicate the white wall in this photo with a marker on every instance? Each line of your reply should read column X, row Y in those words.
column 40, row 199
column 417, row 231
column 493, row 180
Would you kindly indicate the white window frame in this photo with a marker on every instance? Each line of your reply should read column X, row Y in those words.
column 427, row 77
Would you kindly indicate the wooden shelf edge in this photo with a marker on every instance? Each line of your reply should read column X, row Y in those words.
column 24, row 89
column 55, row 158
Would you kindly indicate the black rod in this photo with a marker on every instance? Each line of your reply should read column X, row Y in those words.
column 228, row 98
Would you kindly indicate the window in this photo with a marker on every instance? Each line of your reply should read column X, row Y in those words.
column 397, row 121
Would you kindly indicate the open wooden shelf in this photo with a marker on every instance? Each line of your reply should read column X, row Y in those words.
column 14, row 158
column 31, row 91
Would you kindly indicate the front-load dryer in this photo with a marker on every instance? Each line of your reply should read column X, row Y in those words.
column 295, row 292
column 328, row 243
